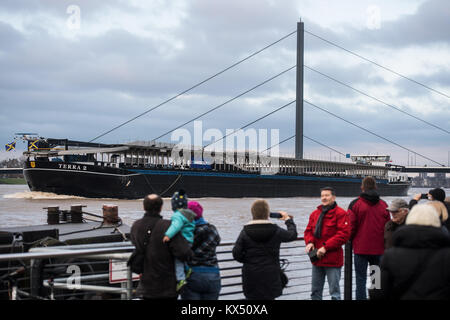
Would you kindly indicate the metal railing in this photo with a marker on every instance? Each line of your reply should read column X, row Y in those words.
column 84, row 271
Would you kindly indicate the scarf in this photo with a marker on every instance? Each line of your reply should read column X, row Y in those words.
column 200, row 221
column 318, row 230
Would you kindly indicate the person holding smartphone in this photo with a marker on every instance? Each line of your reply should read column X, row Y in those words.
column 417, row 197
column 436, row 194
column 258, row 248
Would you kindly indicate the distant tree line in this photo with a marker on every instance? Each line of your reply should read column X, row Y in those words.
column 12, row 163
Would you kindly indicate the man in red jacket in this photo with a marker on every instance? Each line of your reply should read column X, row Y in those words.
column 368, row 216
column 328, row 229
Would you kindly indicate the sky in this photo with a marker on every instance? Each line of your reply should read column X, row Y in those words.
column 76, row 69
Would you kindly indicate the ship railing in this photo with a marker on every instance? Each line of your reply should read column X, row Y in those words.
column 99, row 271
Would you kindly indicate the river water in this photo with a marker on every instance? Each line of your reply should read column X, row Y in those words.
column 21, row 207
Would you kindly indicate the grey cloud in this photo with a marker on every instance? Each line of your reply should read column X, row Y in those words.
column 430, row 24
column 82, row 88
column 9, row 37
column 58, row 7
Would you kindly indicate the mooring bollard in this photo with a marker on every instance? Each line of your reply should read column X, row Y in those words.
column 110, row 214
column 52, row 215
column 76, row 213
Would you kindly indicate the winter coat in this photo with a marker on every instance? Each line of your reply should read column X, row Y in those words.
column 389, row 230
column 335, row 233
column 368, row 216
column 206, row 240
column 158, row 279
column 182, row 221
column 447, row 222
column 258, row 248
column 417, row 266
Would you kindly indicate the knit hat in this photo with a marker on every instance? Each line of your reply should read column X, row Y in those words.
column 179, row 200
column 423, row 215
column 196, row 208
column 438, row 194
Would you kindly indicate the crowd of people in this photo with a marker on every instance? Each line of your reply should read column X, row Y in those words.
column 408, row 243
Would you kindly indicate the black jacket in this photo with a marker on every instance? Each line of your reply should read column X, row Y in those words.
column 158, row 279
column 389, row 228
column 258, row 248
column 206, row 240
column 417, row 267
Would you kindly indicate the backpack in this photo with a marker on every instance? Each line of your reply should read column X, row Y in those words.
column 136, row 260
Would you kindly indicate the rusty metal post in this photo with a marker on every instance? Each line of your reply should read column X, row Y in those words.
column 348, row 262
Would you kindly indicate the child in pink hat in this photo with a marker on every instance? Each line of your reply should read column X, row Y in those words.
column 196, row 208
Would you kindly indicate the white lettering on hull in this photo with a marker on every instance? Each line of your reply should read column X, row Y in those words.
column 72, row 167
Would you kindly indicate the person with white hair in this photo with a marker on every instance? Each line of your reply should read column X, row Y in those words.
column 417, row 267
column 442, row 212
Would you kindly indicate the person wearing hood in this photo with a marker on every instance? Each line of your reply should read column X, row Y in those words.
column 258, row 248
column 417, row 267
column 182, row 222
column 204, row 282
column 368, row 216
column 327, row 231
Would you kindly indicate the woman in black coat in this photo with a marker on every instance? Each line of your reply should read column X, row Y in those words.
column 417, row 267
column 258, row 248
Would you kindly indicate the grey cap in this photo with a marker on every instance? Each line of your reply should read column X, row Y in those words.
column 397, row 204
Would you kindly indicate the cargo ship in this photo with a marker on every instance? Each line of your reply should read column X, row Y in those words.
column 133, row 170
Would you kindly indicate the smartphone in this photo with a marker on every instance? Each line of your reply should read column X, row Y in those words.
column 275, row 215
column 424, row 196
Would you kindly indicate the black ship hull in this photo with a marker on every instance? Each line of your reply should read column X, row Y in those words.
column 135, row 183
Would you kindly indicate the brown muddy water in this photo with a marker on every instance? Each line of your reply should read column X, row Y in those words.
column 21, row 207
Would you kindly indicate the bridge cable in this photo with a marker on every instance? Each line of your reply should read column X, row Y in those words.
column 373, row 133
column 377, row 64
column 376, row 99
column 282, row 141
column 324, row 145
column 250, row 123
column 195, row 86
column 390, row 141
column 265, row 116
column 291, row 137
column 228, row 101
